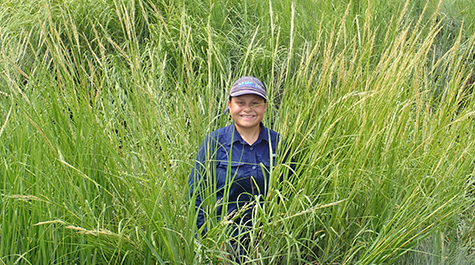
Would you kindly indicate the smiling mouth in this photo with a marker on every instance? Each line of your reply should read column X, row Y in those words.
column 247, row 116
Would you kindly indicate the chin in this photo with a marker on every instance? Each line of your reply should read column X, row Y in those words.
column 248, row 125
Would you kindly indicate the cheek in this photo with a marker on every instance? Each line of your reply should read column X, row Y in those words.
column 234, row 111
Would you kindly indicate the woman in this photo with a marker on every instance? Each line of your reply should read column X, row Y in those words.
column 233, row 162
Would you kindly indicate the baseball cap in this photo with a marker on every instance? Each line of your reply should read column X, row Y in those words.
column 248, row 85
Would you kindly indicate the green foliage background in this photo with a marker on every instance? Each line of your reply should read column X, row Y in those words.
column 104, row 104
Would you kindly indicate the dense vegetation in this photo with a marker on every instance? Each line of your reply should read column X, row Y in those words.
column 104, row 103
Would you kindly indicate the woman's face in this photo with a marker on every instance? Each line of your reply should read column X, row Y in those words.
column 247, row 111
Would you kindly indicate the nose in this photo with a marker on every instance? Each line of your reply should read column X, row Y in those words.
column 247, row 108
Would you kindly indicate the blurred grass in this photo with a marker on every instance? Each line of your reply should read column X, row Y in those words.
column 104, row 104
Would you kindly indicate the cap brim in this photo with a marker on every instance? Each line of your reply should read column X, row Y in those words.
column 247, row 92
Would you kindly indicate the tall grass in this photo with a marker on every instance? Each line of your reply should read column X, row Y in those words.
column 105, row 103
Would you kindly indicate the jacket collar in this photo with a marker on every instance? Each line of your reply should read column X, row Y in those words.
column 234, row 135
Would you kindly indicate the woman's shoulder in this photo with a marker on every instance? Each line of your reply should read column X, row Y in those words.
column 221, row 131
column 271, row 132
column 220, row 134
column 269, row 136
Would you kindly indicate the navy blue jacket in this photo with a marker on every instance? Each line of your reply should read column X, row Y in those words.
column 236, row 169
